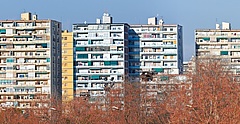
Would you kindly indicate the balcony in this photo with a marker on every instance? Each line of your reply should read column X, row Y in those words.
column 23, row 92
column 26, row 78
column 96, row 81
column 90, row 88
column 24, row 49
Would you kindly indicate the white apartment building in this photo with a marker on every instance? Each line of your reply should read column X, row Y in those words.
column 30, row 62
column 156, row 48
column 221, row 43
column 100, row 56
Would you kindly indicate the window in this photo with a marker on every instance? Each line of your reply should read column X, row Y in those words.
column 95, row 77
column 171, row 29
column 158, row 69
column 89, row 63
column 164, row 78
column 48, row 59
column 223, row 52
column 114, row 62
column 2, row 31
column 107, row 63
column 111, row 63
column 65, row 64
column 82, row 56
column 80, row 49
column 65, row 78
column 10, row 60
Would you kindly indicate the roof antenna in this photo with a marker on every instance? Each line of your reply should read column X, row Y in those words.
column 62, row 21
column 217, row 25
column 106, row 11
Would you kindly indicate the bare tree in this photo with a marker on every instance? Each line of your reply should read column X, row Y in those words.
column 214, row 98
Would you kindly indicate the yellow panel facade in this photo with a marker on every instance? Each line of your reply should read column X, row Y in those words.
column 67, row 58
column 67, row 71
column 67, row 45
column 67, row 66
column 67, row 52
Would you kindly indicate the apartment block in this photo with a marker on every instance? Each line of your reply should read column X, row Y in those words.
column 155, row 48
column 100, row 56
column 30, row 62
column 221, row 43
column 189, row 67
column 67, row 66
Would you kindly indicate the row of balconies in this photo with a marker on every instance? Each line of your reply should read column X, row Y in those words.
column 24, row 25
column 2, row 92
column 216, row 41
column 158, row 57
column 23, row 49
column 228, row 34
column 3, row 62
column 24, row 105
column 99, row 43
column 88, row 80
column 25, row 54
column 36, row 84
column 27, row 78
column 100, row 72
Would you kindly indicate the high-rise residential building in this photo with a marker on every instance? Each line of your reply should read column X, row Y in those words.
column 156, row 48
column 220, row 43
column 67, row 66
column 185, row 67
column 189, row 67
column 30, row 62
column 100, row 56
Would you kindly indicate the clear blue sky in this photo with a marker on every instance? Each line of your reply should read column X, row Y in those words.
column 191, row 14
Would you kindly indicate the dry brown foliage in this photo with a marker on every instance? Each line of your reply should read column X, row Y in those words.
column 212, row 97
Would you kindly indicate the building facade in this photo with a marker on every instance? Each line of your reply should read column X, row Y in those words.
column 189, row 67
column 155, row 47
column 30, row 62
column 221, row 43
column 100, row 56
column 67, row 66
